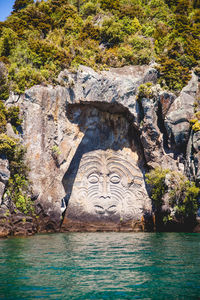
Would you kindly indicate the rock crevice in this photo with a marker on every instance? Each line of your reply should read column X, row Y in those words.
column 95, row 120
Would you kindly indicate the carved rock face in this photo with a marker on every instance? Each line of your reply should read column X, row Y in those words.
column 108, row 187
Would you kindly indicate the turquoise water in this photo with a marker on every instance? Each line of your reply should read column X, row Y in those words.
column 101, row 266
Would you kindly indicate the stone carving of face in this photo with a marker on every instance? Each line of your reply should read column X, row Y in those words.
column 107, row 188
column 104, row 191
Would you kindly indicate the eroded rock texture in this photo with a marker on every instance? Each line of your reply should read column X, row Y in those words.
column 89, row 143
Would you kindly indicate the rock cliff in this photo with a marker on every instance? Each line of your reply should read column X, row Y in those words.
column 90, row 140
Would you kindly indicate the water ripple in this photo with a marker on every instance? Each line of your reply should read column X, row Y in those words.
column 101, row 266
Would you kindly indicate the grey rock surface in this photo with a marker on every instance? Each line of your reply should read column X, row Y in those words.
column 4, row 177
column 177, row 121
column 89, row 113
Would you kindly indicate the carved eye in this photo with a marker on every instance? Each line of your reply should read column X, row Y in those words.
column 93, row 178
column 114, row 178
column 112, row 209
column 99, row 209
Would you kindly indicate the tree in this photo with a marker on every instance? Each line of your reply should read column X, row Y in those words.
column 110, row 4
column 196, row 3
column 20, row 4
column 4, row 87
column 78, row 5
column 58, row 3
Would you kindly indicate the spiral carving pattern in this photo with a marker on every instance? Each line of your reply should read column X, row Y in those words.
column 108, row 187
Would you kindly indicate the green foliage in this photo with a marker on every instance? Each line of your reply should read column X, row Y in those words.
column 10, row 115
column 25, row 78
column 145, row 91
column 197, row 71
column 183, row 197
column 20, row 4
column 195, row 123
column 18, row 190
column 156, row 180
column 196, row 126
column 90, row 8
column 8, row 41
column 7, row 145
column 2, row 122
column 4, row 87
column 89, row 31
column 131, row 9
column 109, row 4
column 181, row 194
column 173, row 74
column 41, row 38
column 131, row 26
column 190, row 203
column 18, row 185
column 56, row 150
column 112, row 31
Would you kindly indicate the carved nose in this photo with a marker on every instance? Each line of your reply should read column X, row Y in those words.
column 105, row 188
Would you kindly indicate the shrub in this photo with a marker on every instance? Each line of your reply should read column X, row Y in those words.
column 131, row 9
column 12, row 116
column 130, row 26
column 55, row 150
column 139, row 42
column 197, row 114
column 2, row 122
column 18, row 188
column 182, row 194
column 57, row 37
column 184, row 199
column 20, row 4
column 126, row 54
column 89, row 9
column 89, row 31
column 196, row 126
column 24, row 78
column 190, row 203
column 156, row 180
column 18, row 185
column 112, row 31
column 4, row 86
column 172, row 74
column 48, row 36
column 145, row 91
column 8, row 41
column 197, row 71
column 110, row 4
column 7, row 145
column 18, row 191
column 108, row 58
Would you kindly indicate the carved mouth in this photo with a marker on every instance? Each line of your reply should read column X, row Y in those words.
column 105, row 211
